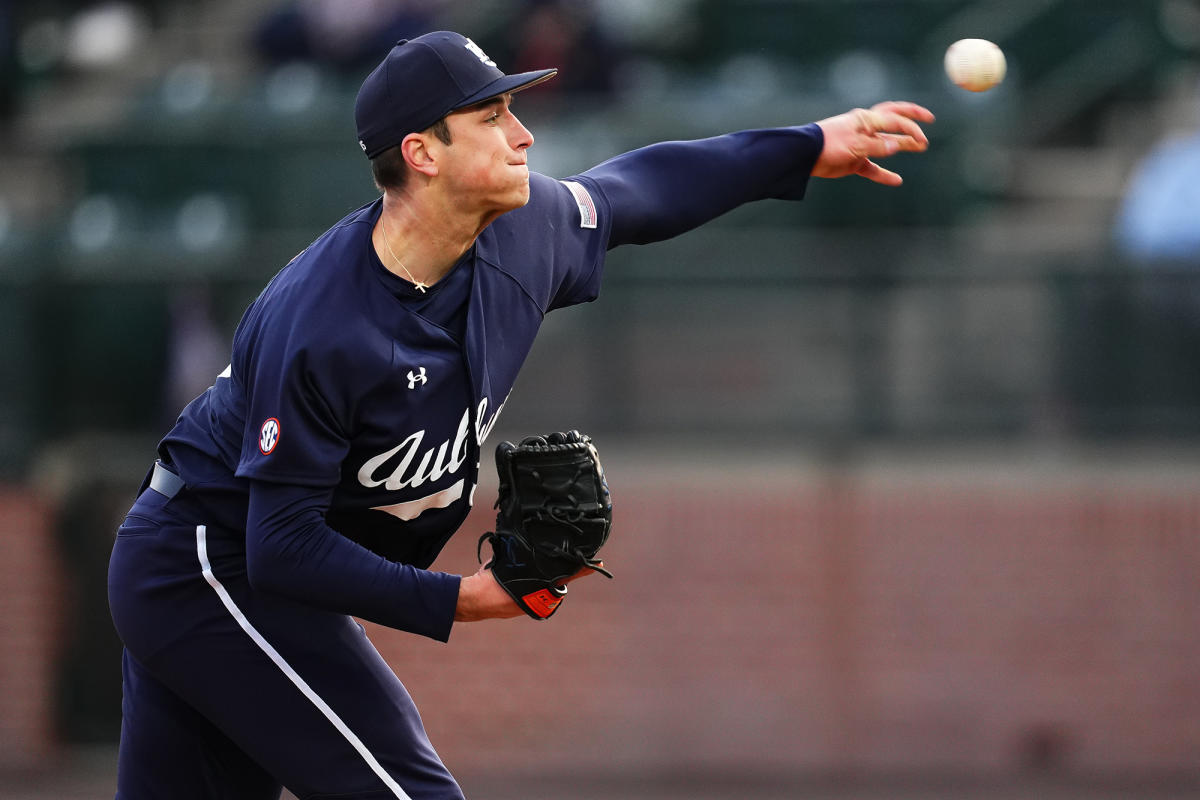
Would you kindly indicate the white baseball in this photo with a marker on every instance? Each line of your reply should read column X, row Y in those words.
column 975, row 64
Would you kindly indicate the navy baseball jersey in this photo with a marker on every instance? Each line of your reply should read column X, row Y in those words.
column 321, row 474
column 345, row 378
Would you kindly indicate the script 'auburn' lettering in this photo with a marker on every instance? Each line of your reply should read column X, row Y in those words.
column 416, row 465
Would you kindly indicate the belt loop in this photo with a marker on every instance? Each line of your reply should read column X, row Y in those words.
column 164, row 481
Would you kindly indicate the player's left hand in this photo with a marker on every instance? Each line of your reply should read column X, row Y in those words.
column 856, row 137
column 480, row 596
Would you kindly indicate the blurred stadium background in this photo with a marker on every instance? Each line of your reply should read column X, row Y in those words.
column 907, row 481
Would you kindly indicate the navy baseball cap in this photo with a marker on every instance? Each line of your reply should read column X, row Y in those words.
column 423, row 80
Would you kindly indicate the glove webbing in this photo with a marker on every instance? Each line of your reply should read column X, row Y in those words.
column 563, row 516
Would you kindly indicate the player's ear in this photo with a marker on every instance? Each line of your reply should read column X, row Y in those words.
column 418, row 155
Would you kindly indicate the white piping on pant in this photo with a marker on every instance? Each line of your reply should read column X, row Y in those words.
column 292, row 675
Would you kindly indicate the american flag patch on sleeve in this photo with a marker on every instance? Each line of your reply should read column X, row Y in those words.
column 587, row 207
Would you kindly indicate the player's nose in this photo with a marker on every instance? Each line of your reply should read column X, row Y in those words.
column 519, row 137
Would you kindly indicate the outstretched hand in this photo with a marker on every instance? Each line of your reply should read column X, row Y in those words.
column 856, row 137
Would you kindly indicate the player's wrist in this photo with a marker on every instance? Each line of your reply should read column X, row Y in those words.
column 480, row 596
column 467, row 607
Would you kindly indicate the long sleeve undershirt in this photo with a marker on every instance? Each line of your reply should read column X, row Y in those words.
column 291, row 551
column 665, row 189
column 654, row 193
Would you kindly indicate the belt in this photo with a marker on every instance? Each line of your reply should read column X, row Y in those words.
column 165, row 482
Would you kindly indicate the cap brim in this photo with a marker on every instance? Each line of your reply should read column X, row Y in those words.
column 507, row 84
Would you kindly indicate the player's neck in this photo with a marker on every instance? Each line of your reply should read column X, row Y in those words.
column 419, row 244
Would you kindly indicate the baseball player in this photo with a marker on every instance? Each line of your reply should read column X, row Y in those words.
column 326, row 467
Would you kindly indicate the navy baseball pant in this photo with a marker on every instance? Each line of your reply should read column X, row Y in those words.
column 234, row 693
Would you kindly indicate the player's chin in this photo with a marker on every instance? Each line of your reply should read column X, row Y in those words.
column 512, row 194
column 520, row 194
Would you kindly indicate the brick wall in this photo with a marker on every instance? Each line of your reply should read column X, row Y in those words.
column 781, row 618
column 845, row 622
column 30, row 630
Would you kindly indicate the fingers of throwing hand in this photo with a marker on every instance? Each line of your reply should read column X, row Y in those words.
column 901, row 129
column 855, row 137
column 889, row 131
column 873, row 172
column 905, row 109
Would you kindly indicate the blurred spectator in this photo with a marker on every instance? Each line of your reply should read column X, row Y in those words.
column 565, row 35
column 1160, row 215
column 77, row 36
column 1158, row 224
column 105, row 35
column 1158, row 314
column 345, row 35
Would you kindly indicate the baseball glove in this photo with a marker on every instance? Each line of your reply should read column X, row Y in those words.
column 554, row 515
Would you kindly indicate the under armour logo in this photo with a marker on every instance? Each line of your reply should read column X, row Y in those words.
column 478, row 51
column 415, row 378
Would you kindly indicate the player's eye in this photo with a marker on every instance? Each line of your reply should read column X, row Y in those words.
column 493, row 118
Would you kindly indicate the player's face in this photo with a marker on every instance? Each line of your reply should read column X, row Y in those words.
column 485, row 166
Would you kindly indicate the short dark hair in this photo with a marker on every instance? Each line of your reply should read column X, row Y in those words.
column 388, row 168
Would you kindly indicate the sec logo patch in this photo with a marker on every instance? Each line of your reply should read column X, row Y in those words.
column 268, row 436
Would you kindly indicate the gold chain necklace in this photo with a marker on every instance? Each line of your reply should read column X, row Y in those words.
column 421, row 287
